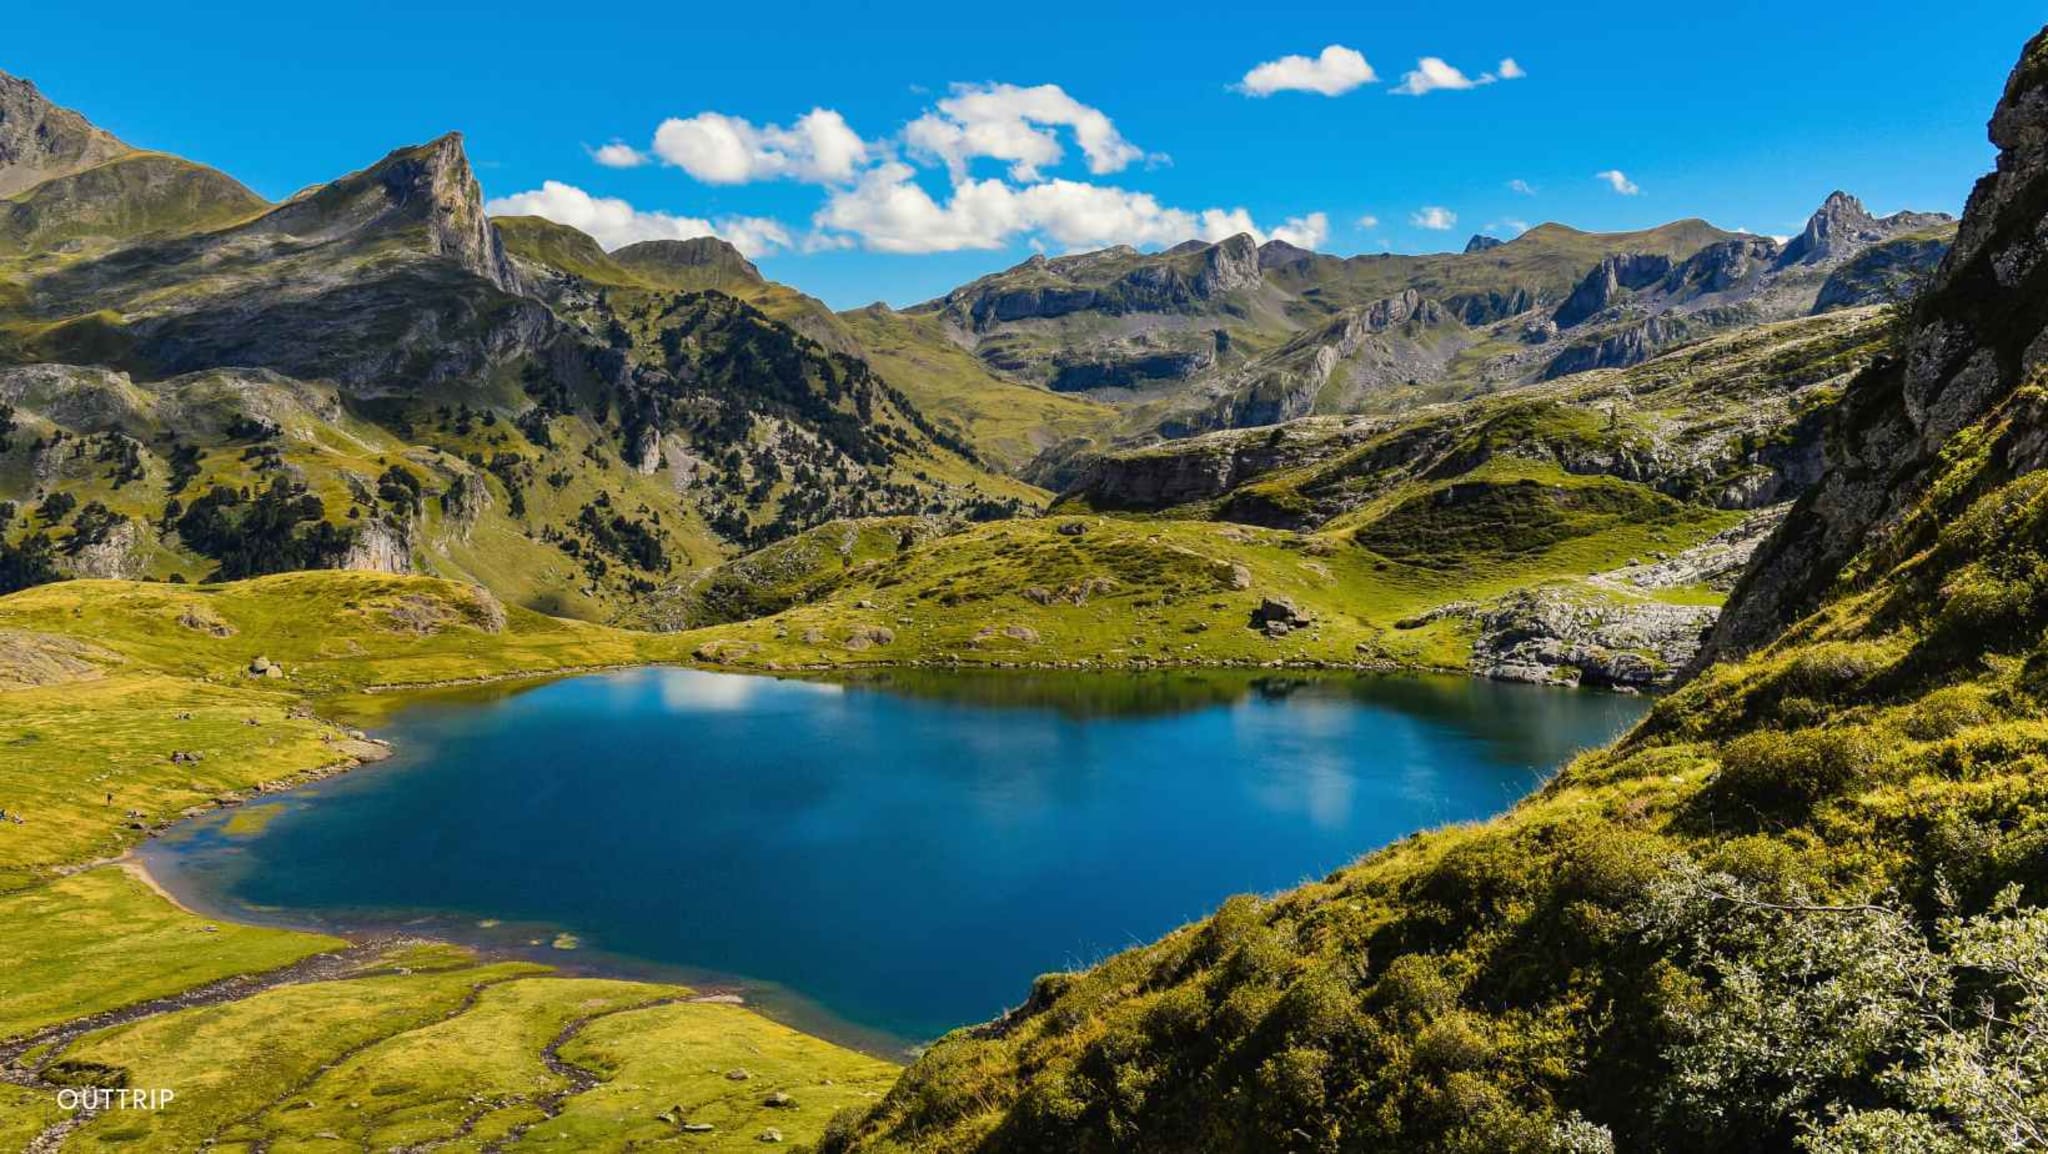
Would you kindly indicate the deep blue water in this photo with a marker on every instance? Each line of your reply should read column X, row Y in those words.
column 884, row 859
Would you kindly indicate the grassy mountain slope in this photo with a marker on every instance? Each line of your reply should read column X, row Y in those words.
column 1006, row 422
column 1009, row 423
column 133, row 195
column 701, row 264
column 1117, row 592
column 1797, row 907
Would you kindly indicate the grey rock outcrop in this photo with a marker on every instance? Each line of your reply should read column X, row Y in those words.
column 379, row 547
column 1550, row 636
column 1608, row 282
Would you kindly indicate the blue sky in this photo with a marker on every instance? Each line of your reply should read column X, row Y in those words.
column 841, row 136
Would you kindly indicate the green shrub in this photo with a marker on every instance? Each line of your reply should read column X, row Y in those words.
column 1772, row 774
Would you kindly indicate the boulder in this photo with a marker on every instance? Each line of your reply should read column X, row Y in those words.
column 1278, row 616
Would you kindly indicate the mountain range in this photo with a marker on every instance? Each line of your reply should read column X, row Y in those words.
column 371, row 373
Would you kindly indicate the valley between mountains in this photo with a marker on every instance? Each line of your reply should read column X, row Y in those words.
column 262, row 466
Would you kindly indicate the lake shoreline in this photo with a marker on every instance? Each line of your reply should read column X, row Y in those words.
column 526, row 931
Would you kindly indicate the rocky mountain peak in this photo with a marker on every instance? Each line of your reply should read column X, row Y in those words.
column 439, row 174
column 1480, row 242
column 39, row 140
column 1840, row 221
column 1229, row 264
column 427, row 186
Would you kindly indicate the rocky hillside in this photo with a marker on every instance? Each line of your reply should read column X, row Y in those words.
column 1233, row 334
column 1730, row 422
column 194, row 383
column 1799, row 908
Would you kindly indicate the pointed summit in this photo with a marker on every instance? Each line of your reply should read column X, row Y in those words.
column 1480, row 242
column 39, row 140
column 1841, row 220
column 426, row 186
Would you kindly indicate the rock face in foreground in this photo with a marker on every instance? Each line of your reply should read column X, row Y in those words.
column 1979, row 333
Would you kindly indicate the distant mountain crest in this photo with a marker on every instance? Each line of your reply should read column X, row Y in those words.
column 1842, row 224
column 704, row 262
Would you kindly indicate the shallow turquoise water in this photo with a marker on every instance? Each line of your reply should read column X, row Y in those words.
column 886, row 858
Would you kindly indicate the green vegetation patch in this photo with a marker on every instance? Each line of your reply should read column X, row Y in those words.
column 102, row 939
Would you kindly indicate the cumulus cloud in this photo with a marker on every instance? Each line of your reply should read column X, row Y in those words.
column 1368, row 221
column 1016, row 124
column 1303, row 231
column 1434, row 74
column 613, row 222
column 877, row 190
column 618, row 154
column 887, row 210
column 1521, row 187
column 1619, row 182
column 1434, row 217
column 1334, row 72
column 717, row 149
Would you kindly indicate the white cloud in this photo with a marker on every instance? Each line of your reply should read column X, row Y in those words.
column 1433, row 74
column 718, row 149
column 1433, row 217
column 1521, row 187
column 618, row 154
column 1618, row 182
column 1368, row 221
column 1304, row 231
column 1510, row 227
column 888, row 211
column 754, row 235
column 613, row 222
column 1007, row 122
column 1333, row 73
